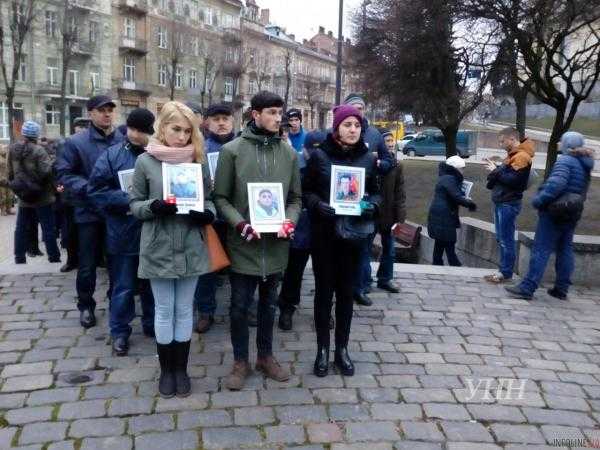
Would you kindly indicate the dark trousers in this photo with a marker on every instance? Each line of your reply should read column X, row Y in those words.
column 289, row 297
column 27, row 216
column 242, row 292
column 442, row 247
column 385, row 273
column 205, row 297
column 363, row 277
column 126, row 284
column 32, row 234
column 68, row 234
column 91, row 244
column 335, row 264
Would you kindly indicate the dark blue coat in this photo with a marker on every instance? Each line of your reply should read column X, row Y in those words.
column 443, row 219
column 214, row 144
column 74, row 167
column 123, row 230
column 570, row 175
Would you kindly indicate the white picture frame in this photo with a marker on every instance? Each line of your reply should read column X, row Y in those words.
column 267, row 212
column 213, row 159
column 185, row 182
column 466, row 187
column 126, row 179
column 347, row 189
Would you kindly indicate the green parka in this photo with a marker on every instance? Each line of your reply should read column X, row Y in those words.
column 253, row 158
column 171, row 246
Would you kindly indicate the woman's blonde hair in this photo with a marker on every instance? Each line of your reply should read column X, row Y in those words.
column 169, row 114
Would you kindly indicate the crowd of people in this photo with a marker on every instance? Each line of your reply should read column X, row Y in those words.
column 163, row 253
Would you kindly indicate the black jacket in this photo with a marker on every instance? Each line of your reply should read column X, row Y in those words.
column 509, row 180
column 317, row 178
column 443, row 219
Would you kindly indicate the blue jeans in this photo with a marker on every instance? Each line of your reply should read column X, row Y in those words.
column 45, row 215
column 205, row 299
column 125, row 285
column 385, row 273
column 505, row 219
column 364, row 278
column 551, row 237
column 173, row 304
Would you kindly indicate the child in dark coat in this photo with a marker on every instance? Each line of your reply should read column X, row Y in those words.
column 443, row 219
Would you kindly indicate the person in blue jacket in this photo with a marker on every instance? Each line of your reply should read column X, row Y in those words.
column 570, row 175
column 219, row 121
column 74, row 167
column 385, row 162
column 297, row 135
column 123, row 230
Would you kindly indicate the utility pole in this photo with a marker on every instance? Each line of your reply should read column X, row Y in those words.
column 338, row 78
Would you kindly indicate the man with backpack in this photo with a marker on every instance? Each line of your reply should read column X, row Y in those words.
column 30, row 178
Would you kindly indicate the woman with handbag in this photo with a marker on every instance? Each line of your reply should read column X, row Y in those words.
column 173, row 250
column 337, row 240
column 559, row 202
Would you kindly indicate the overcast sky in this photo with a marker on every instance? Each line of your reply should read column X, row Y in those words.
column 303, row 17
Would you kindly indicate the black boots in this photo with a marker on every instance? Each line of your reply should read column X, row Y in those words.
column 166, row 382
column 322, row 361
column 182, row 380
column 285, row 319
column 343, row 362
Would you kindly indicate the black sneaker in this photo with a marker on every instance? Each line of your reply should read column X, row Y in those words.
column 285, row 319
column 557, row 294
column 20, row 260
column 363, row 299
column 516, row 292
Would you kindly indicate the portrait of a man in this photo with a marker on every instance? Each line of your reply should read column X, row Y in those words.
column 266, row 207
column 183, row 183
column 347, row 188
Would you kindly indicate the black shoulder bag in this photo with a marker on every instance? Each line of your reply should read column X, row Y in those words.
column 569, row 206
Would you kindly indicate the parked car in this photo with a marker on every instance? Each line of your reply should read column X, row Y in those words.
column 405, row 140
column 433, row 143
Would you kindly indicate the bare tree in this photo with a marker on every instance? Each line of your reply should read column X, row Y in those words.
column 288, row 60
column 212, row 62
column 176, row 43
column 69, row 32
column 260, row 69
column 313, row 95
column 15, row 28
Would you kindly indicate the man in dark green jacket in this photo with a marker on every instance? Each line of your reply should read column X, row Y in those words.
column 257, row 156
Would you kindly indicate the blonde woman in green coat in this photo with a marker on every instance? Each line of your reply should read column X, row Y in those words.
column 173, row 253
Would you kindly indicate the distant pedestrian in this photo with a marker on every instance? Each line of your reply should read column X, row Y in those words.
column 443, row 219
column 6, row 195
column 30, row 178
column 296, row 133
column 559, row 201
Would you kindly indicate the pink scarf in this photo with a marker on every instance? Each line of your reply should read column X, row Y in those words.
column 172, row 155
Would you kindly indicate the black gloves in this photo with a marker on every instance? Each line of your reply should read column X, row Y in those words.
column 369, row 211
column 202, row 218
column 161, row 208
column 325, row 210
column 472, row 206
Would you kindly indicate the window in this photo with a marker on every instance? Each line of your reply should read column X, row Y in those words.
column 178, row 77
column 162, row 74
column 193, row 78
column 227, row 21
column 196, row 47
column 52, row 114
column 74, row 29
column 129, row 69
column 95, row 78
column 52, row 71
column 4, row 121
column 129, row 25
column 215, row 17
column 252, row 87
column 162, row 37
column 73, row 82
column 93, row 31
column 51, row 23
column 231, row 54
column 163, row 4
column 22, row 75
column 228, row 87
column 208, row 16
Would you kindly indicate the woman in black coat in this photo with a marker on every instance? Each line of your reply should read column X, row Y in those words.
column 443, row 219
column 336, row 260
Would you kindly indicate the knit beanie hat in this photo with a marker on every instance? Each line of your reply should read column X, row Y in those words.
column 142, row 120
column 354, row 99
column 342, row 112
column 384, row 132
column 456, row 161
column 31, row 129
column 571, row 139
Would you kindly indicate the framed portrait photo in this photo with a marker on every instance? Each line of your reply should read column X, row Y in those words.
column 347, row 189
column 267, row 206
column 126, row 179
column 213, row 158
column 184, row 182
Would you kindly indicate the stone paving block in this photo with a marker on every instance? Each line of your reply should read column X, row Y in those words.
column 64, row 445
column 336, row 395
column 107, row 443
column 259, row 415
column 174, row 440
column 422, row 431
column 446, row 411
column 289, row 434
column 524, row 434
column 219, row 438
column 371, row 431
column 564, row 402
column 324, row 432
column 427, row 395
column 396, row 411
column 372, row 446
column 229, row 399
column 291, row 396
column 40, row 432
column 109, row 391
column 82, row 410
column 301, row 414
column 342, row 412
column 466, row 432
column 132, row 375
column 57, row 395
column 557, row 417
column 131, row 406
column 447, row 369
column 554, row 432
column 193, row 402
column 6, row 436
column 360, row 381
column 28, row 415
column 15, row 370
column 10, row 401
column 471, row 446
column 398, row 381
column 210, row 418
column 496, row 413
column 414, row 445
column 373, row 395
column 27, row 383
column 424, row 358
column 97, row 428
column 154, row 422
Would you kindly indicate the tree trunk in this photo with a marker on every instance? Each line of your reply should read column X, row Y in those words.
column 449, row 133
column 202, row 94
column 10, row 98
column 520, row 96
column 557, row 131
column 63, row 99
column 210, row 97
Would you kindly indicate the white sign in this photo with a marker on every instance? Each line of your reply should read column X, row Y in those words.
column 185, row 183
column 467, row 186
column 267, row 206
column 126, row 179
column 347, row 189
column 213, row 158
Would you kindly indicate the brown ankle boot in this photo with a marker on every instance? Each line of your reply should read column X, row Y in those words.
column 237, row 377
column 205, row 321
column 271, row 368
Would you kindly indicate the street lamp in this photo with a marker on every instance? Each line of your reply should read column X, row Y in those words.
column 338, row 75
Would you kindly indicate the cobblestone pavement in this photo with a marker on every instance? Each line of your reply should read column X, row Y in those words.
column 434, row 365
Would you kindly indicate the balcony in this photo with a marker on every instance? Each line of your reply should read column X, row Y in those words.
column 232, row 68
column 48, row 89
column 83, row 5
column 78, row 90
column 131, row 87
column 84, row 49
column 132, row 45
column 134, row 6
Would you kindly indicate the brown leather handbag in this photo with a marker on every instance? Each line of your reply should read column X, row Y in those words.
column 218, row 257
